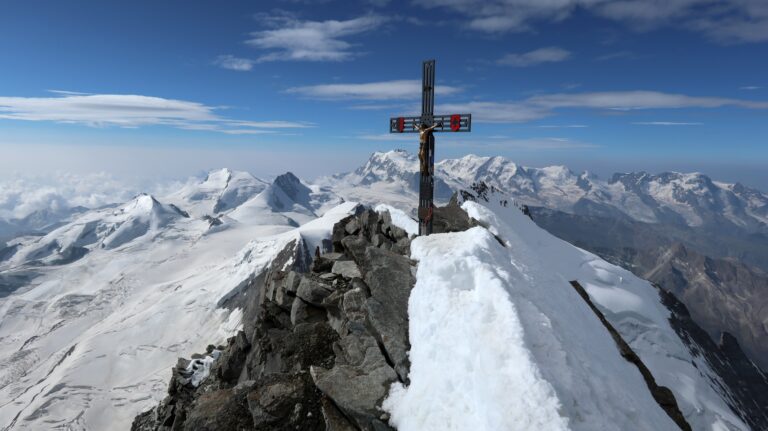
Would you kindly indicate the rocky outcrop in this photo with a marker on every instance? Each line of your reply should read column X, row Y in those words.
column 319, row 349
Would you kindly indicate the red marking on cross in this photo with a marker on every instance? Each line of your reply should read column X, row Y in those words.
column 455, row 122
column 401, row 124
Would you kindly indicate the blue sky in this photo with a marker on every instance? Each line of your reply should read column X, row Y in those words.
column 168, row 88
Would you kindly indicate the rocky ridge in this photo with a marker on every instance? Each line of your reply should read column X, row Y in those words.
column 319, row 349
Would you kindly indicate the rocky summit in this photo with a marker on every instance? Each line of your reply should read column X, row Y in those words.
column 319, row 349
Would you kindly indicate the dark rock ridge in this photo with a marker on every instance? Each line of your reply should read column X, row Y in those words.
column 319, row 349
column 740, row 377
column 662, row 394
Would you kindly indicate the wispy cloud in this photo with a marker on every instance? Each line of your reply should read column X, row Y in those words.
column 528, row 144
column 519, row 111
column 123, row 110
column 385, row 137
column 629, row 100
column 496, row 112
column 723, row 20
column 565, row 126
column 750, row 88
column 666, row 123
column 290, row 39
column 234, row 63
column 385, row 90
column 550, row 54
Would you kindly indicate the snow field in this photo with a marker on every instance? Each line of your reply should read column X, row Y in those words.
column 470, row 369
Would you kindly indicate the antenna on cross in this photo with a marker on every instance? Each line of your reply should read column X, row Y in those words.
column 425, row 125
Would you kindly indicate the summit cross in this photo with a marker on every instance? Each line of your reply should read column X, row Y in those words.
column 425, row 125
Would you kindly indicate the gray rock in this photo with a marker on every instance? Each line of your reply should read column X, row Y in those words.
column 219, row 410
column 281, row 401
column 332, row 256
column 301, row 312
column 286, row 288
column 329, row 276
column 359, row 385
column 334, row 419
column 390, row 280
column 230, row 363
column 346, row 269
column 352, row 227
column 355, row 247
column 313, row 291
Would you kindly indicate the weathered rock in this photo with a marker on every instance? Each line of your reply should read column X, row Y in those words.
column 390, row 279
column 230, row 364
column 333, row 256
column 451, row 218
column 355, row 247
column 359, row 381
column 224, row 409
column 301, row 312
column 339, row 233
column 313, row 291
column 346, row 269
column 285, row 401
column 352, row 227
column 334, row 419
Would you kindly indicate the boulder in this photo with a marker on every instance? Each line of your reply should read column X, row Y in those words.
column 346, row 269
column 334, row 419
column 219, row 410
column 301, row 312
column 359, row 381
column 230, row 364
column 284, row 401
column 313, row 291
column 390, row 280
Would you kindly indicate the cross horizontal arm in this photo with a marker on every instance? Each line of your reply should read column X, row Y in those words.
column 445, row 123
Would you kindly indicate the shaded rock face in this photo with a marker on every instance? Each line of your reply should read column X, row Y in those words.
column 319, row 349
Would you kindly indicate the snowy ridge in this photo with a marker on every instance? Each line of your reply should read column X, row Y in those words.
column 498, row 334
column 691, row 199
column 221, row 190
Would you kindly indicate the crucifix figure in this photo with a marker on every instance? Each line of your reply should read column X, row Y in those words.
column 425, row 125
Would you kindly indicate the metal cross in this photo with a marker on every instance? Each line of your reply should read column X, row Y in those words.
column 425, row 126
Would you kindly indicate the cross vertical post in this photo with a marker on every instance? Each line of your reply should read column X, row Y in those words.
column 425, row 125
column 427, row 182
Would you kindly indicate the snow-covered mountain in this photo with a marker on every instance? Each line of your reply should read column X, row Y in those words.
column 221, row 190
column 393, row 174
column 691, row 199
column 95, row 312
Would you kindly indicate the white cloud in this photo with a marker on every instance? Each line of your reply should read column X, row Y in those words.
column 496, row 112
column 22, row 195
column 295, row 40
column 385, row 90
column 528, row 144
column 723, row 20
column 565, row 126
column 542, row 106
column 550, row 54
column 629, row 100
column 750, row 87
column 234, row 63
column 130, row 111
column 665, row 123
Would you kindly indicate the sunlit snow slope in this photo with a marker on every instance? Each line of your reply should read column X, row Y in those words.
column 95, row 313
column 501, row 341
